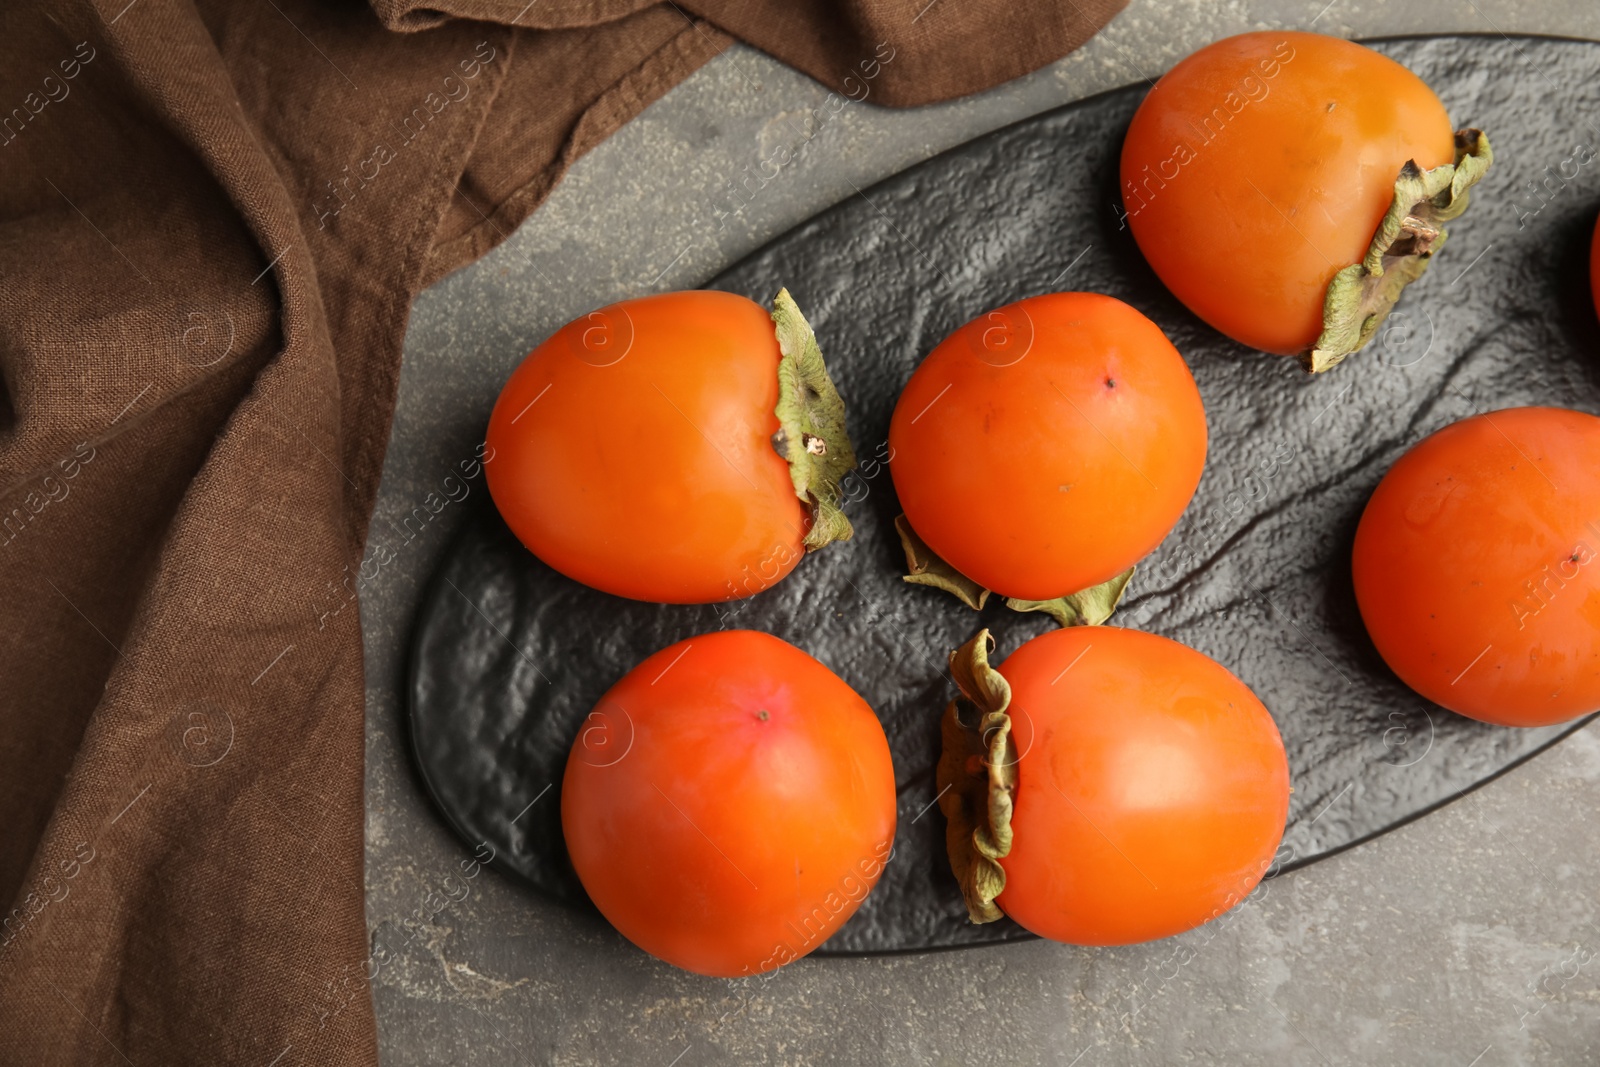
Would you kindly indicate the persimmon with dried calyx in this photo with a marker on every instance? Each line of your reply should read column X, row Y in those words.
column 1287, row 187
column 682, row 448
column 1474, row 566
column 1105, row 786
column 729, row 803
column 1043, row 449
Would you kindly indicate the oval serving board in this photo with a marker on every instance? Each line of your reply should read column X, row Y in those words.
column 508, row 656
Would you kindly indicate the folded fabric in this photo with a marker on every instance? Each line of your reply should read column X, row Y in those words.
column 213, row 219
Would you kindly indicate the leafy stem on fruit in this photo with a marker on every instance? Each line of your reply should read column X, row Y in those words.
column 1361, row 295
column 1091, row 607
column 811, row 433
column 977, row 777
column 1087, row 607
column 925, row 567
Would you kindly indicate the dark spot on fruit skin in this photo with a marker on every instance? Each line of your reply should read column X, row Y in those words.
column 1111, row 383
column 763, row 715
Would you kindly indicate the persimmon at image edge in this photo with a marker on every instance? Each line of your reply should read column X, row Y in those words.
column 1133, row 788
column 1472, row 566
column 1594, row 266
column 636, row 450
column 730, row 803
column 1046, row 473
column 1257, row 172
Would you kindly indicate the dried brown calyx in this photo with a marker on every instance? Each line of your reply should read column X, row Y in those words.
column 977, row 777
column 811, row 433
column 1361, row 295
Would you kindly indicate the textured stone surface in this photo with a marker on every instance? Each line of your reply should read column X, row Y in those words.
column 1467, row 934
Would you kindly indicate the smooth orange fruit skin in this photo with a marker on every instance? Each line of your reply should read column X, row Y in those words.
column 1048, row 445
column 1152, row 787
column 1261, row 165
column 633, row 452
column 715, row 839
column 1475, row 566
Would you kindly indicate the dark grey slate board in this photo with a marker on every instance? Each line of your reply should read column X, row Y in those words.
column 508, row 656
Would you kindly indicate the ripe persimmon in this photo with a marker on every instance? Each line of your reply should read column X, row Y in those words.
column 1044, row 448
column 1475, row 570
column 682, row 448
column 1286, row 186
column 1104, row 786
column 1594, row 266
column 729, row 803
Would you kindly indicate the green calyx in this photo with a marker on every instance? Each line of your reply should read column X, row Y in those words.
column 977, row 777
column 1361, row 295
column 1091, row 607
column 925, row 567
column 811, row 433
column 1087, row 607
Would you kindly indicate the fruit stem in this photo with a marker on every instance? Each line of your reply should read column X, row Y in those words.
column 811, row 433
column 1361, row 295
column 977, row 777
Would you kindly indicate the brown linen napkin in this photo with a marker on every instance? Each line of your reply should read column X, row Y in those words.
column 213, row 219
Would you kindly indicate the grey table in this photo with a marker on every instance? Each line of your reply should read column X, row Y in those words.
column 1466, row 939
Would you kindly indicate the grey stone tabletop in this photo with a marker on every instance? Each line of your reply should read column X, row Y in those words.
column 1466, row 939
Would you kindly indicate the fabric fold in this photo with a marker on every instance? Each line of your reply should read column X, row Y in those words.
column 213, row 220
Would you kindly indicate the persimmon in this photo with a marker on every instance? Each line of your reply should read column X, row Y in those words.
column 681, row 448
column 729, row 803
column 1105, row 786
column 1474, row 566
column 1594, row 266
column 1287, row 186
column 1041, row 450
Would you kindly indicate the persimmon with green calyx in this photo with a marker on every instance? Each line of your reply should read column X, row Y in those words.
column 729, row 803
column 1474, row 566
column 1043, row 449
column 682, row 448
column 1105, row 786
column 1287, row 186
